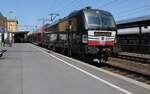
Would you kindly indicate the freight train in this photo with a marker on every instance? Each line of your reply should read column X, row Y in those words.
column 89, row 33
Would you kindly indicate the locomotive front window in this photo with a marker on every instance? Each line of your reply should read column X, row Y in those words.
column 108, row 21
column 93, row 19
column 97, row 19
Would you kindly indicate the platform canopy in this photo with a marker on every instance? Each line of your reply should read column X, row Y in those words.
column 21, row 32
column 134, row 22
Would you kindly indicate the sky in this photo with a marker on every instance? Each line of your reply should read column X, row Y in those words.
column 28, row 12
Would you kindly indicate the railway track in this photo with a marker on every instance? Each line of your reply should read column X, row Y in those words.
column 138, row 67
column 130, row 74
column 139, row 63
column 136, row 58
column 124, row 70
column 130, row 68
column 135, row 66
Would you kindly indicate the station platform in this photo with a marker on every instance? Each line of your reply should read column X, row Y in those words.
column 28, row 69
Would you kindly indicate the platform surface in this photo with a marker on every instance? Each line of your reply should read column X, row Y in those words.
column 27, row 69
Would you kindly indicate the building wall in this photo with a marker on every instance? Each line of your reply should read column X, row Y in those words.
column 3, row 26
column 2, row 23
column 5, row 32
column 12, row 25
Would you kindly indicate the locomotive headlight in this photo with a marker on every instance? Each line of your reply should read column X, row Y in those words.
column 84, row 39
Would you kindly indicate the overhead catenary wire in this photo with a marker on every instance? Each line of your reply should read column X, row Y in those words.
column 70, row 4
column 138, row 10
column 107, row 3
column 54, row 3
column 64, row 6
column 131, row 10
column 116, row 4
column 75, row 4
column 79, row 5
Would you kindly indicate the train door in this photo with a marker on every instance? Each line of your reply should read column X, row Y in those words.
column 71, row 36
column 69, row 33
column 75, row 34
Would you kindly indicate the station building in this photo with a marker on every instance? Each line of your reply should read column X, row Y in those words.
column 3, row 23
column 7, row 29
column 12, row 25
column 3, row 27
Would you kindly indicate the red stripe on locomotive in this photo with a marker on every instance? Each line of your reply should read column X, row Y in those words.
column 109, row 43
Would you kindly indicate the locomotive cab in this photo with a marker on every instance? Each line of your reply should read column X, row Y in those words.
column 100, row 33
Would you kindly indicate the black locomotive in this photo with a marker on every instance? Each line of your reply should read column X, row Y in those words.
column 89, row 33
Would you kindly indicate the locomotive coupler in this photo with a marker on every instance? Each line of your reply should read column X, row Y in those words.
column 103, row 55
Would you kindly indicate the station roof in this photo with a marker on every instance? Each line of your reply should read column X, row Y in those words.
column 12, row 20
column 134, row 22
column 21, row 32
